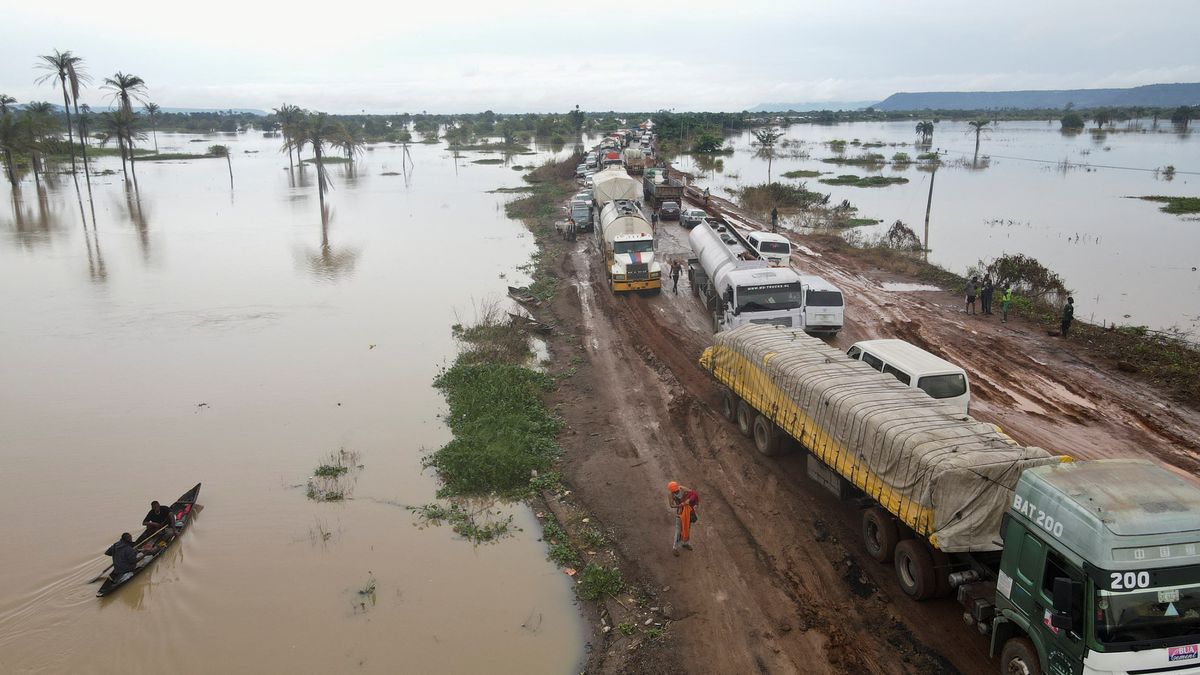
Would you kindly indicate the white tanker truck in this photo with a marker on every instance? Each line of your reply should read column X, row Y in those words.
column 739, row 288
column 626, row 243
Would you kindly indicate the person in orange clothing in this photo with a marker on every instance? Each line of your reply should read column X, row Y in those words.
column 683, row 503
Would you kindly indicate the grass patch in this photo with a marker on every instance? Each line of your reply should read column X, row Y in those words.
column 333, row 479
column 864, row 181
column 487, row 161
column 390, row 173
column 328, row 160
column 598, row 582
column 764, row 197
column 865, row 159
column 802, row 174
column 860, row 222
column 511, row 190
column 513, row 148
column 464, row 522
column 162, row 157
column 1175, row 205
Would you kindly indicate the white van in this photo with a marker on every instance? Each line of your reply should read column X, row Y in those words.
column 824, row 307
column 776, row 249
column 917, row 368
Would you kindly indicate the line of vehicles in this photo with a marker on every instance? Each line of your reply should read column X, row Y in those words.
column 1067, row 567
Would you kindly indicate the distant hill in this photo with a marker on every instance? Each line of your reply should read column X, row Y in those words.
column 1158, row 95
column 811, row 105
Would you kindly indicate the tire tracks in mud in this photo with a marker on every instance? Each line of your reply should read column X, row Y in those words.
column 776, row 592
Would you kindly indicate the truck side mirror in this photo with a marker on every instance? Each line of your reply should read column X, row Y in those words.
column 1066, row 592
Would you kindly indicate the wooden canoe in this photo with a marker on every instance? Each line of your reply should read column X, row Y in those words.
column 152, row 545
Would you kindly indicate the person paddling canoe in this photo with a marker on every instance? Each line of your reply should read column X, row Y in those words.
column 124, row 556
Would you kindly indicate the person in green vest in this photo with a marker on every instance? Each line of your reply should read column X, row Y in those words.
column 1068, row 315
column 1005, row 303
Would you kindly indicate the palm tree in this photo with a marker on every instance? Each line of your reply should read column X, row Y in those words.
column 5, row 101
column 152, row 110
column 979, row 126
column 318, row 132
column 67, row 69
column 291, row 119
column 349, row 140
column 36, row 123
column 10, row 142
column 123, row 126
column 126, row 89
column 926, row 131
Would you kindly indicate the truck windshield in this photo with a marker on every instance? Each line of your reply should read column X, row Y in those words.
column 824, row 299
column 774, row 247
column 769, row 297
column 943, row 386
column 642, row 246
column 1160, row 612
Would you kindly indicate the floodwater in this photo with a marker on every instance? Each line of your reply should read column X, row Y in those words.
column 1059, row 198
column 229, row 337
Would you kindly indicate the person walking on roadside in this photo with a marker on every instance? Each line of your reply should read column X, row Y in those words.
column 985, row 295
column 1005, row 303
column 972, row 290
column 1068, row 315
column 676, row 270
column 683, row 503
column 653, row 220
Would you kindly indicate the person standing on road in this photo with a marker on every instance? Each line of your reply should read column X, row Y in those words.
column 683, row 503
column 1068, row 315
column 653, row 220
column 985, row 296
column 1005, row 303
column 774, row 217
column 972, row 291
column 676, row 270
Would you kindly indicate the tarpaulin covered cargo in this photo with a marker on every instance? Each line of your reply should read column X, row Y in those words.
column 613, row 184
column 945, row 475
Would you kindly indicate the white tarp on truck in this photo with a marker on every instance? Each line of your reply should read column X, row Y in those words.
column 612, row 184
column 945, row 475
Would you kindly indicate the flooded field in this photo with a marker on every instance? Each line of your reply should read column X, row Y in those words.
column 1059, row 198
column 236, row 337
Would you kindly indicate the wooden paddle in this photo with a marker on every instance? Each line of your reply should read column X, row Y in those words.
column 110, row 565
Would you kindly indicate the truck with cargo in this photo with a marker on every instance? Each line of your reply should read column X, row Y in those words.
column 626, row 243
column 635, row 160
column 1067, row 567
column 613, row 184
column 659, row 188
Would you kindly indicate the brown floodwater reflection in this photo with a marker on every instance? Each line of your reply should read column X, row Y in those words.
column 194, row 334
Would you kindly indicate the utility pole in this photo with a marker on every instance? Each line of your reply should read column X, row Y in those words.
column 929, row 202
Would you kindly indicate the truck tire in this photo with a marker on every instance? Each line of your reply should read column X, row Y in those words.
column 914, row 569
column 766, row 436
column 729, row 404
column 1019, row 657
column 745, row 418
column 880, row 534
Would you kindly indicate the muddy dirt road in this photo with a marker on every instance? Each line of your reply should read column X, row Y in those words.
column 779, row 581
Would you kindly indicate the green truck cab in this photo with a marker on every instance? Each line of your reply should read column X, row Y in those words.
column 1099, row 573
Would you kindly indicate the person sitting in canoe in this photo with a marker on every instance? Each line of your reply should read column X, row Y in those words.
column 124, row 556
column 159, row 518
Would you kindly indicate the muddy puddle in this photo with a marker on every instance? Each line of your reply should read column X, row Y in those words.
column 237, row 338
column 1059, row 198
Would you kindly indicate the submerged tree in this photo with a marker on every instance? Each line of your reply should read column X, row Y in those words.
column 1182, row 115
column 37, row 123
column 122, row 126
column 291, row 124
column 926, row 130
column 125, row 90
column 152, row 111
column 978, row 126
column 10, row 143
column 67, row 70
column 319, row 132
column 766, row 140
column 349, row 140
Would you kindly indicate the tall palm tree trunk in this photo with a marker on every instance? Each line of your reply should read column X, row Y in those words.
column 977, row 132
column 87, row 173
column 154, row 130
column 320, row 174
column 132, row 168
column 121, row 145
column 8, row 164
column 67, row 114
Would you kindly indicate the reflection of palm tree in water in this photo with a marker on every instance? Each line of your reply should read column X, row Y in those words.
column 326, row 263
column 137, row 216
column 33, row 225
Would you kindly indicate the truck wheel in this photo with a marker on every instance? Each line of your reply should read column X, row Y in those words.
column 914, row 569
column 745, row 419
column 729, row 403
column 880, row 534
column 1019, row 658
column 766, row 436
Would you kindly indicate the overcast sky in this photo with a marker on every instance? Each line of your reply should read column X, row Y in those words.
column 464, row 56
